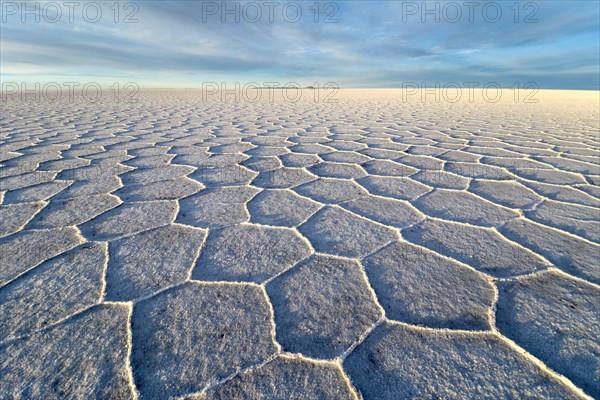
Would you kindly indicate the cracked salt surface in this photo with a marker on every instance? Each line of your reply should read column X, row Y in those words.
column 371, row 248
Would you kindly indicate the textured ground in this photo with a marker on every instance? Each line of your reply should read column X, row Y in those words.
column 374, row 247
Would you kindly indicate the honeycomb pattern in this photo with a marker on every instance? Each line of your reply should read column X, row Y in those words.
column 372, row 248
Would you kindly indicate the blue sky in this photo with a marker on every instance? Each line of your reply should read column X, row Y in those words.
column 363, row 44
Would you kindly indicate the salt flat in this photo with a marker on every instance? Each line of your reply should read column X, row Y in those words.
column 378, row 246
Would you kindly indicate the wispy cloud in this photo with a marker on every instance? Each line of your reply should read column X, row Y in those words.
column 372, row 44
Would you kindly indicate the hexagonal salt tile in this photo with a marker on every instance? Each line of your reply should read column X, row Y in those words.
column 130, row 218
column 482, row 248
column 463, row 207
column 280, row 207
column 385, row 210
column 556, row 319
column 322, row 306
column 283, row 178
column 195, row 334
column 331, row 190
column 398, row 362
column 249, row 253
column 14, row 217
column 41, row 297
column 337, row 170
column 26, row 249
column 506, row 193
column 287, row 377
column 84, row 356
column 73, row 211
column 228, row 175
column 142, row 264
column 216, row 207
column 418, row 286
column 336, row 231
column 172, row 189
column 394, row 187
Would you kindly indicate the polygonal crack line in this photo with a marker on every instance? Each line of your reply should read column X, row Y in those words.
column 374, row 297
column 258, row 191
column 278, row 348
column 541, row 365
column 128, row 357
column 490, row 280
column 552, row 269
column 414, row 199
column 550, row 264
column 293, row 192
column 588, row 179
column 565, row 203
column 59, row 321
column 112, row 238
column 495, row 227
column 339, row 206
column 478, row 162
column 264, row 283
column 198, row 251
column 24, row 224
column 492, row 311
column 547, row 263
column 284, row 355
column 194, row 169
column 82, row 240
column 339, row 359
column 556, row 169
column 405, row 202
column 273, row 331
column 110, row 194
column 104, row 271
